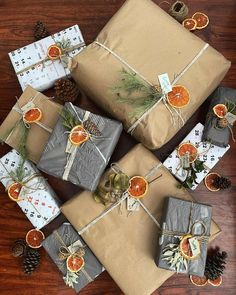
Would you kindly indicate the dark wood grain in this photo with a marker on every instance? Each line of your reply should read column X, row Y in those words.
column 16, row 22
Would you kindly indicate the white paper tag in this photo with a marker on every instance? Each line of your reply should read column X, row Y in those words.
column 132, row 204
column 231, row 118
column 30, row 105
column 75, row 246
column 165, row 83
column 185, row 163
column 194, row 245
column 70, row 147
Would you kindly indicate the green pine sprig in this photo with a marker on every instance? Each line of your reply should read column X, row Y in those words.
column 146, row 95
column 20, row 173
column 69, row 120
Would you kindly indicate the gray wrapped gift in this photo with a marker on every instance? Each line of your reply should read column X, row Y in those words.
column 188, row 224
column 65, row 236
column 82, row 165
column 216, row 135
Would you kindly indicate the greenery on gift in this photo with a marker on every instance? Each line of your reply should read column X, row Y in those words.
column 145, row 95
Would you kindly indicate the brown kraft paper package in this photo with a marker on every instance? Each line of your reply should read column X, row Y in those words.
column 152, row 43
column 127, row 245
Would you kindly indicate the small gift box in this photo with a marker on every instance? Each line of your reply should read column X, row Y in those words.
column 32, row 192
column 184, row 236
column 64, row 244
column 43, row 62
column 194, row 158
column 219, row 130
column 16, row 132
column 80, row 147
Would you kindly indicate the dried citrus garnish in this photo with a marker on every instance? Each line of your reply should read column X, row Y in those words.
column 198, row 281
column 190, row 24
column 201, row 19
column 54, row 52
column 185, row 248
column 209, row 181
column 217, row 282
column 34, row 238
column 14, row 191
column 78, row 135
column 138, row 187
column 74, row 263
column 187, row 147
column 220, row 110
column 33, row 115
column 178, row 97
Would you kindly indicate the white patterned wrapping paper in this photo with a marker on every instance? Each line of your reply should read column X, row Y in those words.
column 209, row 153
column 44, row 75
column 40, row 206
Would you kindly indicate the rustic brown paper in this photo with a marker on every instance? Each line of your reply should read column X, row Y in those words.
column 127, row 245
column 37, row 137
column 153, row 43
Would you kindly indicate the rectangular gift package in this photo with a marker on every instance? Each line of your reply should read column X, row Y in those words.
column 125, row 243
column 212, row 132
column 82, row 165
column 181, row 216
column 39, row 132
column 142, row 39
column 37, row 199
column 32, row 65
column 66, row 236
column 209, row 153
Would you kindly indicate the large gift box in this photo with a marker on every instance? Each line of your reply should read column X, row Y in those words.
column 84, row 164
column 37, row 199
column 66, row 238
column 184, row 223
column 212, row 131
column 125, row 242
column 142, row 42
column 33, row 65
column 208, row 153
column 12, row 129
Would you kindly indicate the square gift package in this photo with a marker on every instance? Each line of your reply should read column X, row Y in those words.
column 145, row 41
column 82, row 164
column 37, row 199
column 39, row 132
column 126, row 244
column 67, row 238
column 33, row 66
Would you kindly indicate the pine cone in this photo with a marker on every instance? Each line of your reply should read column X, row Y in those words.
column 31, row 261
column 66, row 90
column 215, row 265
column 40, row 31
column 19, row 248
column 223, row 123
column 92, row 127
column 221, row 182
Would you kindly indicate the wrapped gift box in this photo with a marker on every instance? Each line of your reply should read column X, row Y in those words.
column 66, row 236
column 181, row 216
column 39, row 132
column 209, row 153
column 30, row 62
column 85, row 167
column 122, row 45
column 212, row 133
column 38, row 200
column 105, row 229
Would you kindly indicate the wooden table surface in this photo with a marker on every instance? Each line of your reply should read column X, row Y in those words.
column 17, row 20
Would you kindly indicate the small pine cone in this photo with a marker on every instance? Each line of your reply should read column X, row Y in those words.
column 215, row 265
column 223, row 123
column 19, row 248
column 31, row 261
column 92, row 127
column 40, row 31
column 66, row 90
column 222, row 182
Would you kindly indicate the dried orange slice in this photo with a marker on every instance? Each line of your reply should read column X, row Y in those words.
column 54, row 52
column 74, row 263
column 201, row 19
column 190, row 24
column 187, row 147
column 34, row 238
column 198, row 281
column 14, row 191
column 178, row 97
column 138, row 187
column 78, row 135
column 209, row 181
column 185, row 248
column 33, row 115
column 217, row 282
column 220, row 110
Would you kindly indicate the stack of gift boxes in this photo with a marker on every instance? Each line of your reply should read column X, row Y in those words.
column 75, row 145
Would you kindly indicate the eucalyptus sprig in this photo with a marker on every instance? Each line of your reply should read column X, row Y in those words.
column 71, row 278
column 146, row 95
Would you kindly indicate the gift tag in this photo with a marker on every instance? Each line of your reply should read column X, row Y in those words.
column 132, row 204
column 165, row 83
column 194, row 245
column 70, row 148
column 75, row 246
column 231, row 118
column 185, row 163
column 29, row 106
